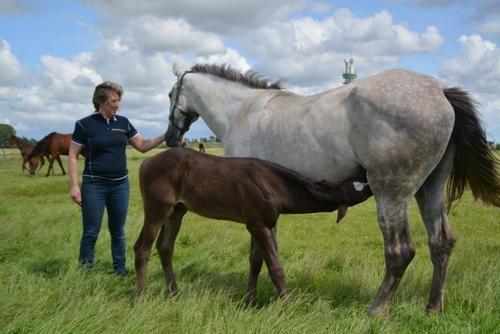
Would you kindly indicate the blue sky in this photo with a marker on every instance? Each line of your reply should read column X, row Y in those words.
column 52, row 53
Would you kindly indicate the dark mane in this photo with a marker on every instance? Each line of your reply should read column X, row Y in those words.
column 250, row 78
column 40, row 146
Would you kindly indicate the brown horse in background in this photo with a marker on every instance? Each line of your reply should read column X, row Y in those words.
column 201, row 147
column 52, row 145
column 245, row 190
column 26, row 149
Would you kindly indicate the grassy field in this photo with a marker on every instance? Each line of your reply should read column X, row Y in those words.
column 333, row 271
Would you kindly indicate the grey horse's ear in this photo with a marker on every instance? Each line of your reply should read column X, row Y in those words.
column 176, row 70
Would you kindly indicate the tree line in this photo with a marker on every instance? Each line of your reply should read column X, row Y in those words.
column 7, row 131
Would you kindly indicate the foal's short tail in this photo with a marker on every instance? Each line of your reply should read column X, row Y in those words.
column 39, row 148
column 474, row 165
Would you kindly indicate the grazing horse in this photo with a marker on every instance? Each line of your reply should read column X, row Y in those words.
column 26, row 149
column 52, row 145
column 201, row 147
column 245, row 190
column 406, row 131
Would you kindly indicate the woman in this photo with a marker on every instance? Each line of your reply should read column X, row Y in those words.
column 104, row 136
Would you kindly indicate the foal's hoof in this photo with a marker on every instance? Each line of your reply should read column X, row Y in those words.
column 171, row 292
column 434, row 308
column 251, row 299
column 378, row 310
column 252, row 302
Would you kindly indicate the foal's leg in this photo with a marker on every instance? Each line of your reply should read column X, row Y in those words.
column 264, row 239
column 256, row 260
column 165, row 245
column 399, row 251
column 430, row 200
column 153, row 219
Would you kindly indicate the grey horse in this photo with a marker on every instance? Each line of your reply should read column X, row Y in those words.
column 406, row 131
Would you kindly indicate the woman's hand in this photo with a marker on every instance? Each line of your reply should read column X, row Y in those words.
column 75, row 195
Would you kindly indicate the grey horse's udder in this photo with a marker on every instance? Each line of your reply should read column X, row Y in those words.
column 359, row 186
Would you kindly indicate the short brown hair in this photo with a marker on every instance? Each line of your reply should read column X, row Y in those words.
column 101, row 93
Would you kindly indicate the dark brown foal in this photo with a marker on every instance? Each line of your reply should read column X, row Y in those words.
column 245, row 190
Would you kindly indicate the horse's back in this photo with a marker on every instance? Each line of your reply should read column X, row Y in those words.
column 395, row 121
column 60, row 143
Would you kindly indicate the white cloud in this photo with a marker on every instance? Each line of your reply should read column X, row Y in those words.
column 152, row 34
column 12, row 73
column 477, row 65
column 229, row 57
column 222, row 16
column 310, row 51
column 69, row 80
column 477, row 68
column 490, row 28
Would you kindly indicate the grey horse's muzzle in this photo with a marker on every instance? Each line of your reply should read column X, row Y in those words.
column 173, row 136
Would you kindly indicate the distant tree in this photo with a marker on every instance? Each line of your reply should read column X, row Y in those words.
column 212, row 139
column 497, row 147
column 29, row 140
column 6, row 131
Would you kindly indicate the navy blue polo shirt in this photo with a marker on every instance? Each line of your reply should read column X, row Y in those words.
column 105, row 141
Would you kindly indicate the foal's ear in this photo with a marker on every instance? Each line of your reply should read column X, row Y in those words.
column 176, row 70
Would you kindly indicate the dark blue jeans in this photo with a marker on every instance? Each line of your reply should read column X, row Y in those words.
column 96, row 195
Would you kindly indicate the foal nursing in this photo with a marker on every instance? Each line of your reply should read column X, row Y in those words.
column 245, row 190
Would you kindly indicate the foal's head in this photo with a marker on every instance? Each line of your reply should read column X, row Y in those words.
column 355, row 189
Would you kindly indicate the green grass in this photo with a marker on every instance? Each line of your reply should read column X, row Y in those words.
column 333, row 271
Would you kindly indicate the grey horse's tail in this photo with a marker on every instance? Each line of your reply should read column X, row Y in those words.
column 475, row 164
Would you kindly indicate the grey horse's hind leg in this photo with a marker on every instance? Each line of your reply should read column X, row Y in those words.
column 430, row 198
column 399, row 250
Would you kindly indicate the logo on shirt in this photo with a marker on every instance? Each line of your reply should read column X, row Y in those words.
column 116, row 129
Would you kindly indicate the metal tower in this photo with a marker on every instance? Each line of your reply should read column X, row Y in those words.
column 350, row 73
